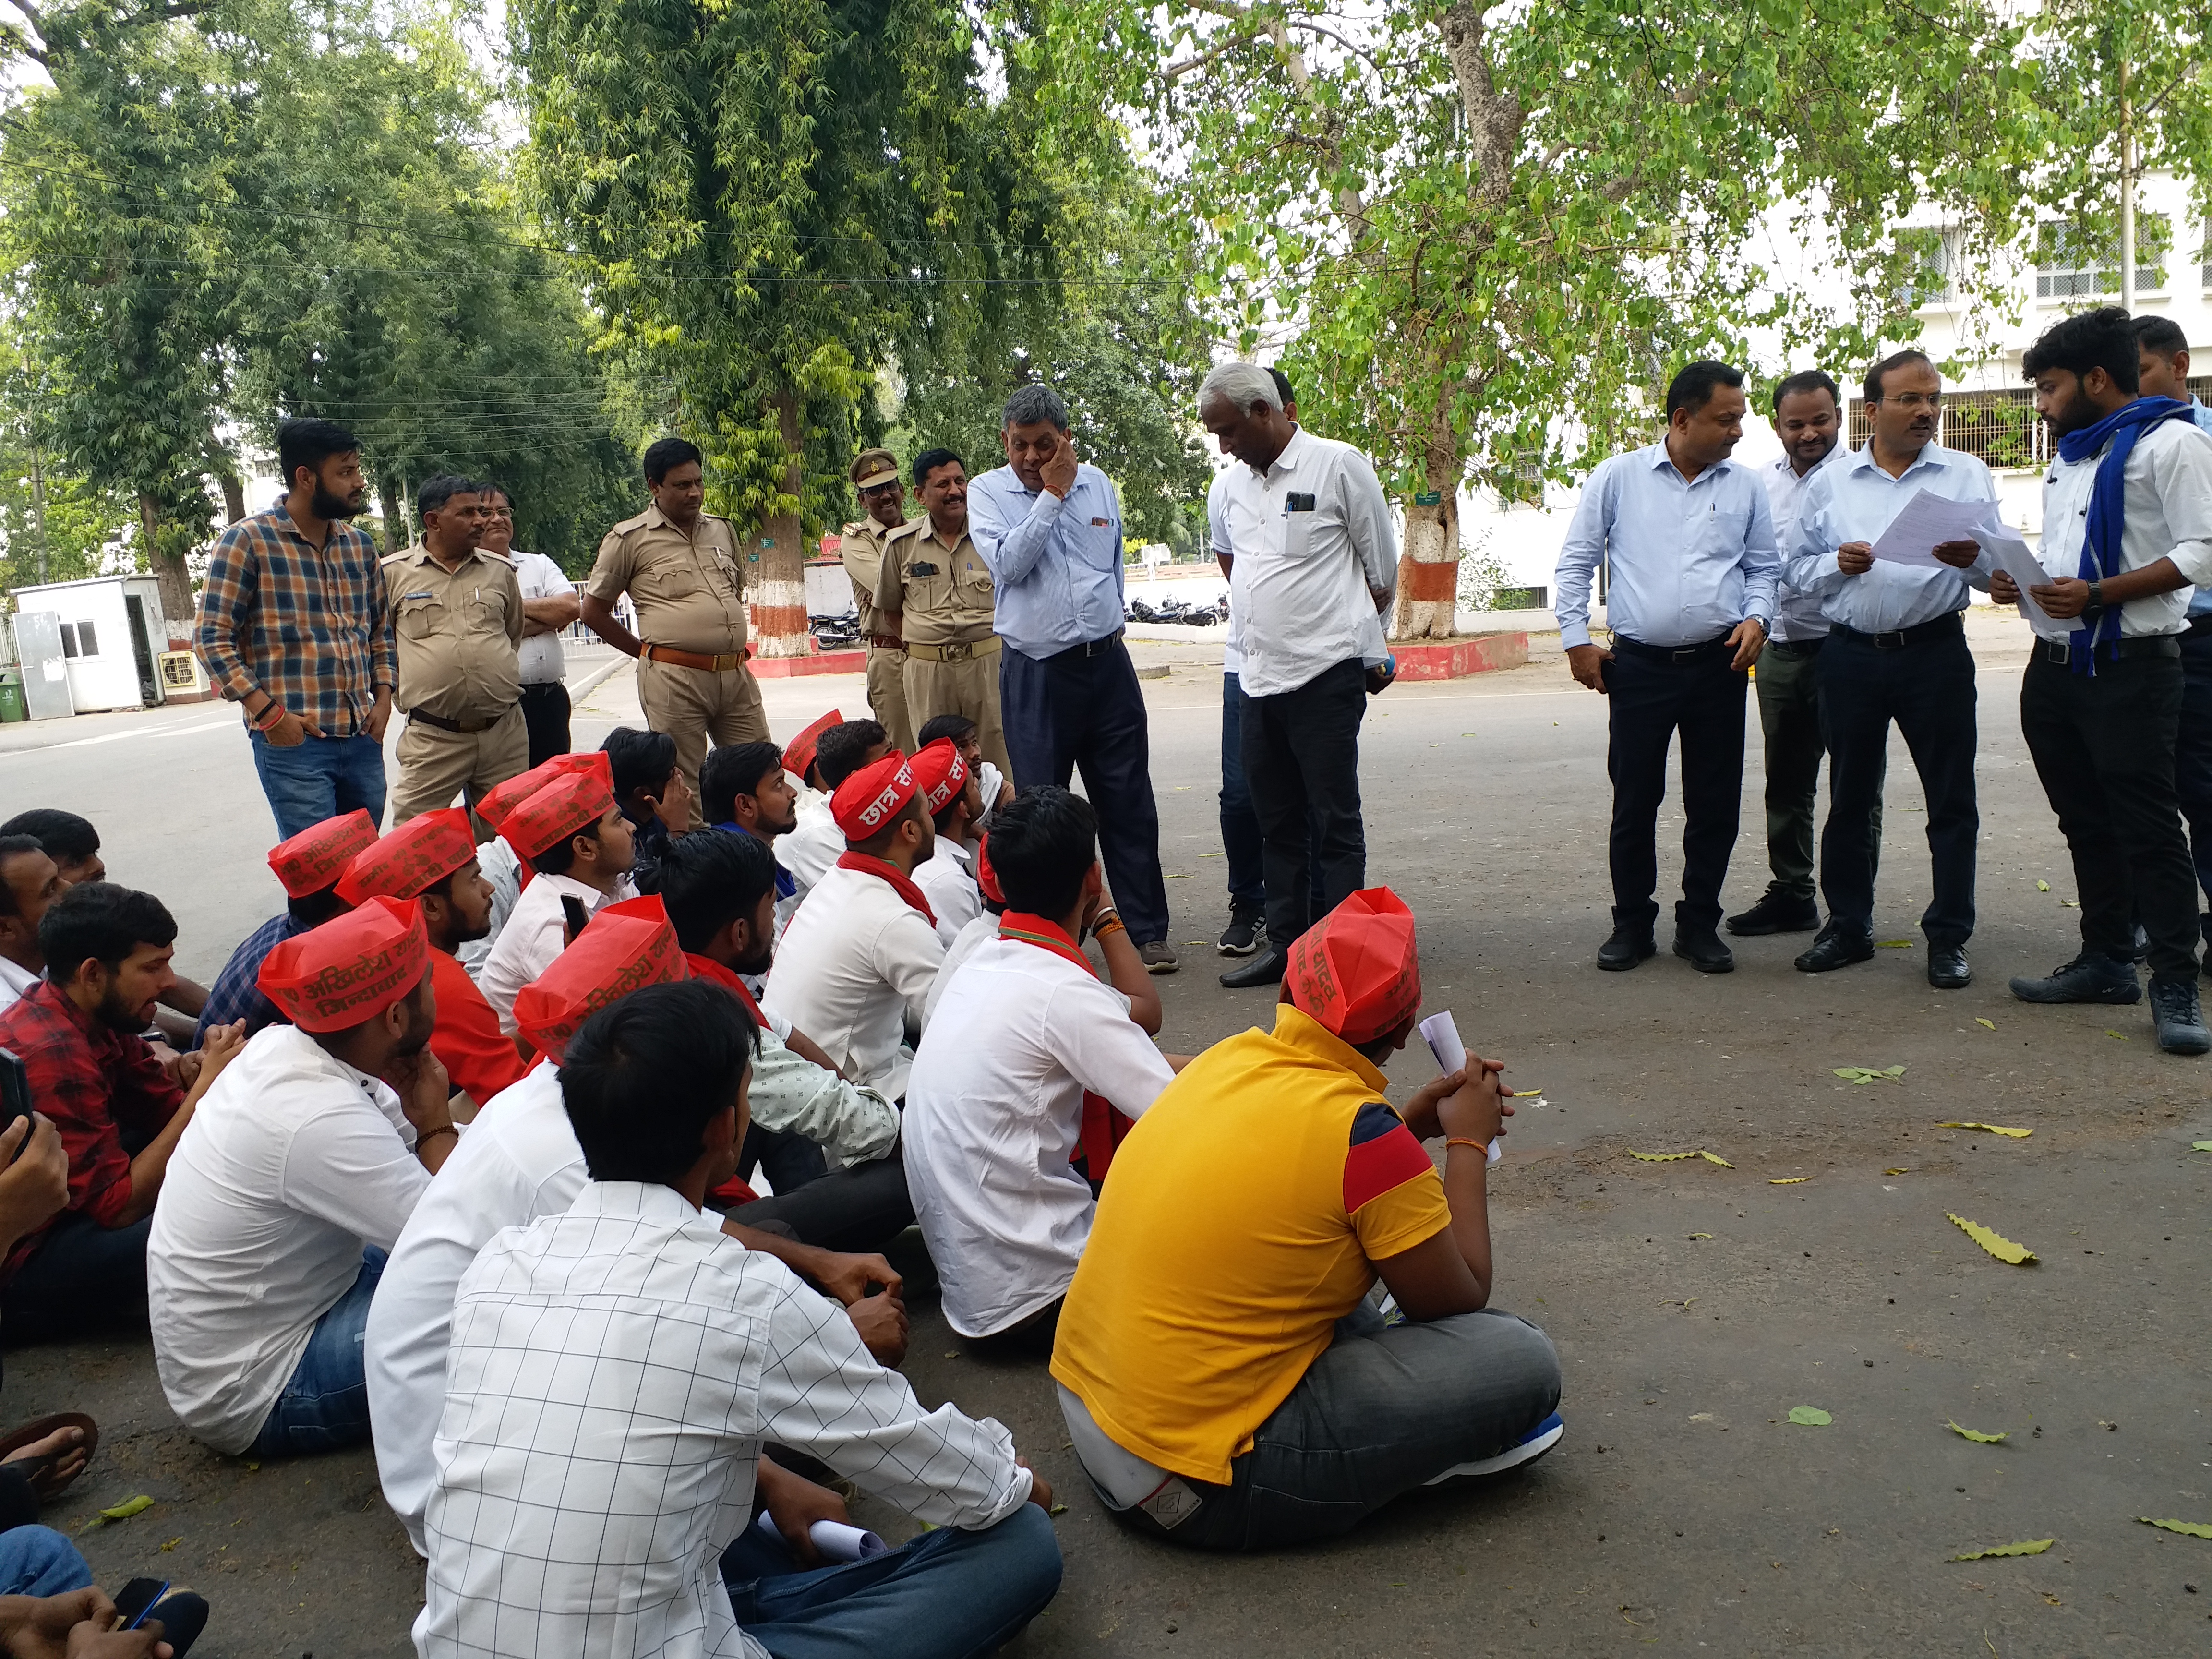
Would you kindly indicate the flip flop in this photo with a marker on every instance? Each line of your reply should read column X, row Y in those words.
column 37, row 1469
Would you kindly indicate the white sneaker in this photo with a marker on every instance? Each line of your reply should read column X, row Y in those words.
column 1531, row 1446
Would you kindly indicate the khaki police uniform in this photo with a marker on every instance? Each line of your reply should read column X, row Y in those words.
column 460, row 681
column 692, row 681
column 945, row 593
column 861, row 546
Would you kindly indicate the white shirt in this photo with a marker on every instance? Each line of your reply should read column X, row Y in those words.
column 14, row 980
column 1217, row 530
column 856, row 962
column 949, row 883
column 812, row 848
column 2167, row 489
column 1796, row 615
column 293, row 1162
column 994, row 1108
column 984, row 926
column 534, row 934
column 988, row 782
column 1854, row 500
column 614, row 1371
column 542, row 659
column 1311, row 537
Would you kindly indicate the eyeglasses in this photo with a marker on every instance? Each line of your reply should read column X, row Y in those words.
column 506, row 512
column 880, row 492
column 1917, row 400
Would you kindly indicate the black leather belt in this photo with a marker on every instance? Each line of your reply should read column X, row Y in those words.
column 2145, row 645
column 1943, row 628
column 1090, row 647
column 459, row 728
column 1623, row 644
column 1794, row 649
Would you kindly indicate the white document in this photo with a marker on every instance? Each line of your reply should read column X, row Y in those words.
column 837, row 1541
column 1441, row 1032
column 1925, row 522
column 2003, row 543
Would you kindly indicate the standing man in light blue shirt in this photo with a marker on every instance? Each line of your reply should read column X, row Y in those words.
column 1049, row 527
column 1689, row 540
column 1896, row 651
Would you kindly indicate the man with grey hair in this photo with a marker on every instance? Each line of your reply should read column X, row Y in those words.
column 1305, row 535
column 1049, row 527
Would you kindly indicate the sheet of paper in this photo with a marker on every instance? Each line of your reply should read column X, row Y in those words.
column 2003, row 543
column 1927, row 520
column 1441, row 1032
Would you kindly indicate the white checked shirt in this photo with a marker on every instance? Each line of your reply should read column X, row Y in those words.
column 1796, row 615
column 855, row 963
column 533, row 935
column 1854, row 500
column 2166, row 491
column 614, row 1371
column 948, row 882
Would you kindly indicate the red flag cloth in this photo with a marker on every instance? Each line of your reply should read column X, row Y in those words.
column 901, row 884
column 626, row 947
column 866, row 802
column 1104, row 1127
column 799, row 753
column 986, row 877
column 350, row 970
column 316, row 857
column 419, row 852
column 477, row 1054
column 1356, row 970
column 940, row 775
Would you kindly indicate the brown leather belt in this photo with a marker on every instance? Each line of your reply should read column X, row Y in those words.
column 956, row 652
column 459, row 728
column 887, row 642
column 719, row 663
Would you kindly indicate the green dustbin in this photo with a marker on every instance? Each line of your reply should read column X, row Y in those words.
column 11, row 699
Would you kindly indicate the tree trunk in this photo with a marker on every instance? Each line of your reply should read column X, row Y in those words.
column 234, row 495
column 395, row 522
column 1428, row 572
column 775, row 562
column 176, row 582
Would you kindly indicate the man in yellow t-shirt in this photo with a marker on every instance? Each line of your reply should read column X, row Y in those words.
column 1224, row 1380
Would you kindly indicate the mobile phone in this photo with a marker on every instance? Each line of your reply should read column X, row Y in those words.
column 573, row 912
column 15, row 1094
column 136, row 1599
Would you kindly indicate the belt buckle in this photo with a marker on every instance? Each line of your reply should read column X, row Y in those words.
column 2061, row 651
column 1893, row 641
column 958, row 652
column 1685, row 652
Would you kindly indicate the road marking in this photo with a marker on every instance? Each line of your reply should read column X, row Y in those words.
column 138, row 731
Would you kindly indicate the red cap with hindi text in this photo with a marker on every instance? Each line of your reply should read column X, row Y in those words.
column 939, row 773
column 1356, row 970
column 316, row 857
column 625, row 947
column 866, row 802
column 421, row 851
column 502, row 798
column 986, row 877
column 351, row 968
column 566, row 807
column 799, row 753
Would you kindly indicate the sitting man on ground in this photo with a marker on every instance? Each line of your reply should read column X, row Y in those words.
column 1023, row 1042
column 291, row 1183
column 1212, row 1394
column 650, row 789
column 49, row 1608
column 557, row 1443
column 497, row 860
column 578, row 844
column 979, row 931
column 39, row 1460
column 308, row 867
column 811, row 850
column 29, row 881
column 990, row 782
column 120, row 1111
column 858, row 960
column 743, row 789
column 430, row 859
column 949, row 796
column 519, row 1161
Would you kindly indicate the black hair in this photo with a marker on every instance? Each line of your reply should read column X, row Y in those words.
column 314, row 909
column 2161, row 337
column 2103, row 338
column 493, row 487
column 640, row 759
column 309, row 443
column 1806, row 380
column 955, row 726
column 98, row 920
column 64, row 836
column 734, row 769
column 434, row 493
column 1693, row 385
column 646, row 1075
column 1043, row 845
column 10, row 846
column 710, row 877
column 1282, row 386
column 1871, row 389
column 839, row 751
column 930, row 459
column 664, row 455
column 558, row 859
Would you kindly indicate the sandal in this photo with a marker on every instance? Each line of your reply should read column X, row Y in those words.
column 38, row 1471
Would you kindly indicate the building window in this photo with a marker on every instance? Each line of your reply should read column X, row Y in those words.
column 1998, row 428
column 2071, row 263
column 1930, row 252
column 78, row 640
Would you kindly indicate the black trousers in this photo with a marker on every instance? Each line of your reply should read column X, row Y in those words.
column 1302, row 766
column 2192, row 757
column 1927, row 689
column 545, row 712
column 1648, row 701
column 1076, row 710
column 860, row 1207
column 2103, row 745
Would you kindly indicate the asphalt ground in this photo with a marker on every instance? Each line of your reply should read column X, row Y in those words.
column 1684, row 1512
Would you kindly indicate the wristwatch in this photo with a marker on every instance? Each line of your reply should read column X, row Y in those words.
column 2096, row 593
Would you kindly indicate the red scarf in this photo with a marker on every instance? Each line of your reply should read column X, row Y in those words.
column 732, row 1192
column 1104, row 1127
column 901, row 883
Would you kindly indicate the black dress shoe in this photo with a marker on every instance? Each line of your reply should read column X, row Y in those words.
column 1947, row 967
column 1776, row 913
column 1705, row 953
column 1836, row 948
column 1267, row 968
column 1624, row 950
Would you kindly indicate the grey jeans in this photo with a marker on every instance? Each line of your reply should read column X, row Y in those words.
column 1380, row 1413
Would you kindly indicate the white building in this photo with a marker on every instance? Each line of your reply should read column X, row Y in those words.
column 97, row 644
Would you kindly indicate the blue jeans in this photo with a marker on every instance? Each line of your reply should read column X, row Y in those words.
column 318, row 779
column 40, row 1561
column 325, row 1404
column 80, row 1278
column 948, row 1594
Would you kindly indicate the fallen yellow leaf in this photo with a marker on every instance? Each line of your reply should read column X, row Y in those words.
column 2033, row 1547
column 2115, row 1036
column 1986, row 1024
column 2191, row 1529
column 1790, row 1181
column 1713, row 1157
column 1995, row 1244
column 1660, row 1158
column 1990, row 1128
column 1978, row 1439
column 2043, row 887
column 1906, row 1171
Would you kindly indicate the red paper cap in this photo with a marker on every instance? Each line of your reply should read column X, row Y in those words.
column 627, row 945
column 411, row 858
column 986, row 877
column 939, row 773
column 799, row 753
column 316, row 857
column 350, row 970
column 503, row 798
column 562, row 808
column 1356, row 970
column 866, row 802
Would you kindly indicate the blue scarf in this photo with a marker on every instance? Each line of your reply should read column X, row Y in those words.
column 2100, row 540
column 786, row 884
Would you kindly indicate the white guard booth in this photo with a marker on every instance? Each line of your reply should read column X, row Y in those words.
column 111, row 631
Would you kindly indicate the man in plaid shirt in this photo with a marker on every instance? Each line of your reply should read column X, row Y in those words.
column 295, row 626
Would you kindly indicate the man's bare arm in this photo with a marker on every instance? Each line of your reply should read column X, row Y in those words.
column 599, row 617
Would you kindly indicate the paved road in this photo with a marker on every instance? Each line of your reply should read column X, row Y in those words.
column 1684, row 1512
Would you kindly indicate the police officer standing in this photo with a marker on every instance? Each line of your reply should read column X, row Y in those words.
column 937, row 582
column 679, row 566
column 882, row 499
column 457, row 615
